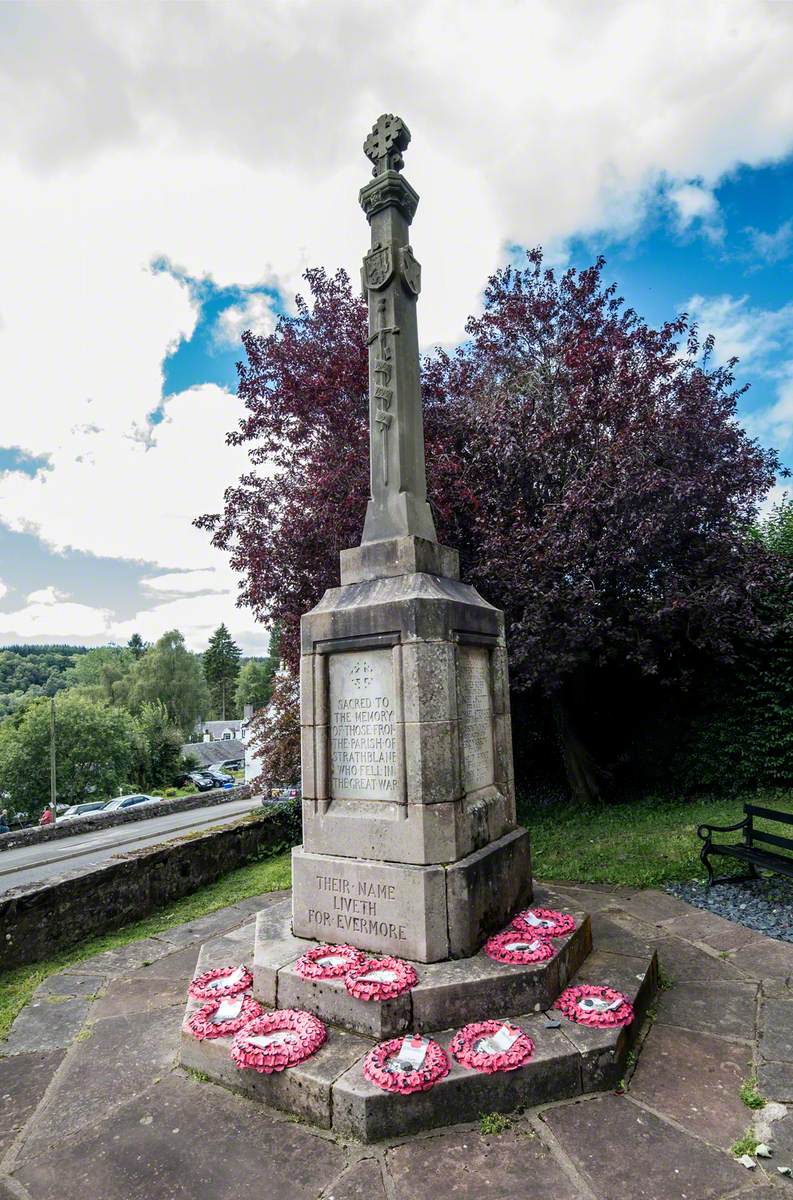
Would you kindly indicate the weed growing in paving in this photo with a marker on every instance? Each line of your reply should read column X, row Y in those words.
column 750, row 1095
column 492, row 1124
column 745, row 1145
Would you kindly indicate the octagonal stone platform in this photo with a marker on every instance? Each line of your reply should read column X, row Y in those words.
column 329, row 1089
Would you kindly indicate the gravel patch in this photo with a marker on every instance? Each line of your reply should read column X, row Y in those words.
column 762, row 904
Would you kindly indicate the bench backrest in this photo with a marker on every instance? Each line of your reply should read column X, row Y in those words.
column 759, row 835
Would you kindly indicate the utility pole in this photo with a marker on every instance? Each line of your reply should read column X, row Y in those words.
column 53, row 792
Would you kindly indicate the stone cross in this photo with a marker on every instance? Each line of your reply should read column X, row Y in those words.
column 384, row 145
column 391, row 279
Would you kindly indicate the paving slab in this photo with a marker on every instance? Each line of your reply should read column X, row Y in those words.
column 124, row 959
column 47, row 1023
column 183, row 1140
column 695, row 1079
column 177, row 964
column 623, row 1151
column 699, row 925
column 773, row 1125
column 653, row 907
column 137, row 994
column 680, row 962
column 620, row 934
column 362, row 1181
column 766, row 957
column 776, row 1030
column 65, row 984
column 220, row 921
column 24, row 1078
column 719, row 1007
column 121, row 1058
column 469, row 1166
column 775, row 1080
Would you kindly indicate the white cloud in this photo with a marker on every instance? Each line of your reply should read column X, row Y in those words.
column 697, row 205
column 775, row 246
column 774, row 423
column 53, row 621
column 227, row 138
column 741, row 330
column 3, row 589
column 256, row 314
column 47, row 595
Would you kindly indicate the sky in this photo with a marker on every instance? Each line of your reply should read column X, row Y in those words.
column 168, row 171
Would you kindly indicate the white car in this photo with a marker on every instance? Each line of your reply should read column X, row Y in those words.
column 122, row 802
column 81, row 810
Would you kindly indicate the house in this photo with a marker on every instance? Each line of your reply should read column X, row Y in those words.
column 210, row 754
column 252, row 765
column 218, row 731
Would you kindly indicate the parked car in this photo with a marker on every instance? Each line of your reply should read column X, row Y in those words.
column 232, row 764
column 122, row 802
column 202, row 781
column 221, row 777
column 80, row 810
column 289, row 793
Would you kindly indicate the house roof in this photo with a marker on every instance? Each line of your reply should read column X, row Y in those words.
column 218, row 728
column 210, row 753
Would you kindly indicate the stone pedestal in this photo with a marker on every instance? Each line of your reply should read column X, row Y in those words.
column 410, row 845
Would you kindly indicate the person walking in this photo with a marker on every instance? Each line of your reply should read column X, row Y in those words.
column 4, row 826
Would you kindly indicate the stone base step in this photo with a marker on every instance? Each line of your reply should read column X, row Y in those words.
column 330, row 1090
column 450, row 993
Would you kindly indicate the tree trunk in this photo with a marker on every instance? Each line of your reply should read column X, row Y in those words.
column 584, row 775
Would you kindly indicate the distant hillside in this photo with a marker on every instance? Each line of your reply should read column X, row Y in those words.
column 27, row 671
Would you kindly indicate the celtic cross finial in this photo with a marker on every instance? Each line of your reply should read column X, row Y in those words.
column 384, row 145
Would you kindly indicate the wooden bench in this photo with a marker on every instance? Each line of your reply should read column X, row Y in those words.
column 747, row 851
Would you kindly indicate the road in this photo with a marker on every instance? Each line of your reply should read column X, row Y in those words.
column 34, row 864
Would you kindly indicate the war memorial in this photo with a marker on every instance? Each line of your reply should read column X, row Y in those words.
column 408, row 984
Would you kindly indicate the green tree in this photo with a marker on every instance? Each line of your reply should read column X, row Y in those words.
column 221, row 667
column 136, row 645
column 103, row 674
column 255, row 683
column 158, row 748
column 742, row 737
column 95, row 752
column 169, row 673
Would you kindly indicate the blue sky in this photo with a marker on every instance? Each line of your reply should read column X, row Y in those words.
column 160, row 204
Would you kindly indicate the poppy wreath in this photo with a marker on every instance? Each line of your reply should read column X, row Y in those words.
column 202, row 1026
column 563, row 923
column 569, row 1004
column 420, row 1079
column 201, row 989
column 305, row 1034
column 463, row 1047
column 498, row 948
column 404, row 978
column 311, row 967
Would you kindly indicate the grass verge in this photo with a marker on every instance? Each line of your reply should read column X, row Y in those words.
column 19, row 984
column 643, row 843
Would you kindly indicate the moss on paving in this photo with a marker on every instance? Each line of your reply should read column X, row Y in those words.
column 641, row 843
column 19, row 984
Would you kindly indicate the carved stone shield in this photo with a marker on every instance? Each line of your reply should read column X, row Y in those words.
column 378, row 267
column 410, row 270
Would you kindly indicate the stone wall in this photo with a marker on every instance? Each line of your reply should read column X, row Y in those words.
column 38, row 919
column 94, row 821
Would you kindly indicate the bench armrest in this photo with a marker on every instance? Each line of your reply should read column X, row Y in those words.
column 709, row 829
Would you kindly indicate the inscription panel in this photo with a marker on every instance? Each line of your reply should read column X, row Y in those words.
column 475, row 712
column 363, row 747
column 383, row 907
